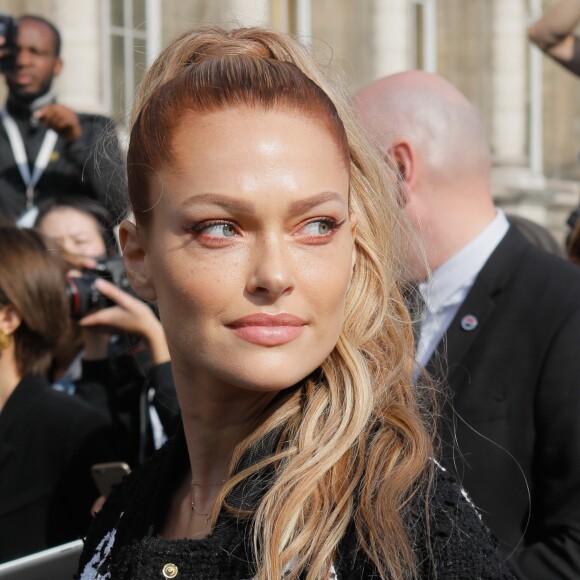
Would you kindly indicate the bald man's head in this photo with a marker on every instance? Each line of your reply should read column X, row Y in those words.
column 429, row 112
column 436, row 138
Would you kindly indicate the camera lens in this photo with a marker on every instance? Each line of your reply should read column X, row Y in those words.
column 84, row 296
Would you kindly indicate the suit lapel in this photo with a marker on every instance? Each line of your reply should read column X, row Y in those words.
column 457, row 342
column 479, row 304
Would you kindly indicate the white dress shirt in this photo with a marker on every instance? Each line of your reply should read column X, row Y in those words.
column 445, row 290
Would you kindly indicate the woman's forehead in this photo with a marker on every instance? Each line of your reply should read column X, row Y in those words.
column 255, row 155
column 242, row 135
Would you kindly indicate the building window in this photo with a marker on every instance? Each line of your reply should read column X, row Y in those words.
column 131, row 34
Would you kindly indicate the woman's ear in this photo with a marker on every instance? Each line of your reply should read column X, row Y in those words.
column 9, row 320
column 135, row 258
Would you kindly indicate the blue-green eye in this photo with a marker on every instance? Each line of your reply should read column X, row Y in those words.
column 220, row 231
column 215, row 229
column 319, row 227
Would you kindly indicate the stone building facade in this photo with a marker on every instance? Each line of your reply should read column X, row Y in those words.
column 530, row 106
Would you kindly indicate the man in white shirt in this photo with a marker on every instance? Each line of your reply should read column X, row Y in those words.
column 501, row 326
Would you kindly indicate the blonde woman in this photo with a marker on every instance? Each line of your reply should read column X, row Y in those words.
column 267, row 230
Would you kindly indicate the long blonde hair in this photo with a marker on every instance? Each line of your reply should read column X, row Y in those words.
column 354, row 447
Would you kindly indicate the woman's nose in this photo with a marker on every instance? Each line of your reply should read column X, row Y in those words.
column 271, row 274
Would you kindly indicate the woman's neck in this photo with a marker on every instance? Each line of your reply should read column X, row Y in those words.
column 216, row 417
column 215, row 424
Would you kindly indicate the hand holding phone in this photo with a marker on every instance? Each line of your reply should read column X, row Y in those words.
column 106, row 475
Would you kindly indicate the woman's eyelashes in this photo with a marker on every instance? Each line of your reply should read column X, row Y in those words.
column 319, row 230
column 216, row 229
column 216, row 232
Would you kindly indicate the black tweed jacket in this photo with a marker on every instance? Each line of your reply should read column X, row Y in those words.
column 123, row 543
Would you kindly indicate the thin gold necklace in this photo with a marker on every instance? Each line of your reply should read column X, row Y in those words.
column 193, row 506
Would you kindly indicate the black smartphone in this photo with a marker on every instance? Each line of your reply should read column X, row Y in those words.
column 106, row 475
column 9, row 32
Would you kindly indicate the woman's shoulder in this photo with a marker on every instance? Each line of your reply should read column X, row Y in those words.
column 451, row 540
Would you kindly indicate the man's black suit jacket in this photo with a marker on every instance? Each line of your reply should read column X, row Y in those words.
column 91, row 167
column 512, row 431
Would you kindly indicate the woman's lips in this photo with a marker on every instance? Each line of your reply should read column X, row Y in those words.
column 268, row 329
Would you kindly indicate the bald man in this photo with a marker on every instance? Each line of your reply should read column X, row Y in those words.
column 501, row 326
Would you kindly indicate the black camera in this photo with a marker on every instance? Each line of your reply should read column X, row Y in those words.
column 8, row 31
column 83, row 294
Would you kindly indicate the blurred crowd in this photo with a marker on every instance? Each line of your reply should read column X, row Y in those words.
column 85, row 374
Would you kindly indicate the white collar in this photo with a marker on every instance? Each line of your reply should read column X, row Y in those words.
column 445, row 283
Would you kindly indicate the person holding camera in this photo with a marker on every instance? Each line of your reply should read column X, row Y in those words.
column 45, row 147
column 48, row 441
column 116, row 355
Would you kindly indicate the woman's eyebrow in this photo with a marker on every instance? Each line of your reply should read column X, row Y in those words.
column 221, row 200
column 297, row 207
column 303, row 205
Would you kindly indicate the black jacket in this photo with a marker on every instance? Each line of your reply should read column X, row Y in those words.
column 125, row 388
column 515, row 415
column 48, row 442
column 91, row 167
column 124, row 543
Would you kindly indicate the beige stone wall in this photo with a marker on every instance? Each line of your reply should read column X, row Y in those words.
column 361, row 38
column 464, row 50
column 179, row 16
column 465, row 58
column 561, row 122
column 342, row 36
column 340, row 31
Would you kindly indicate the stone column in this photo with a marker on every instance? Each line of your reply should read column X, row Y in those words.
column 79, row 84
column 509, row 45
column 391, row 36
column 516, row 187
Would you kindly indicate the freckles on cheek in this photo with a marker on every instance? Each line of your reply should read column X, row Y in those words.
column 329, row 275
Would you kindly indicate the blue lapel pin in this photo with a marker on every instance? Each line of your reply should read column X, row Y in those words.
column 469, row 322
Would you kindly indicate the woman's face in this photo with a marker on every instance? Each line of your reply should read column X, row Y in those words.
column 250, row 249
column 73, row 231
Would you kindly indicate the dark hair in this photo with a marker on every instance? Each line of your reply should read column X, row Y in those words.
column 539, row 236
column 84, row 205
column 53, row 29
column 32, row 281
